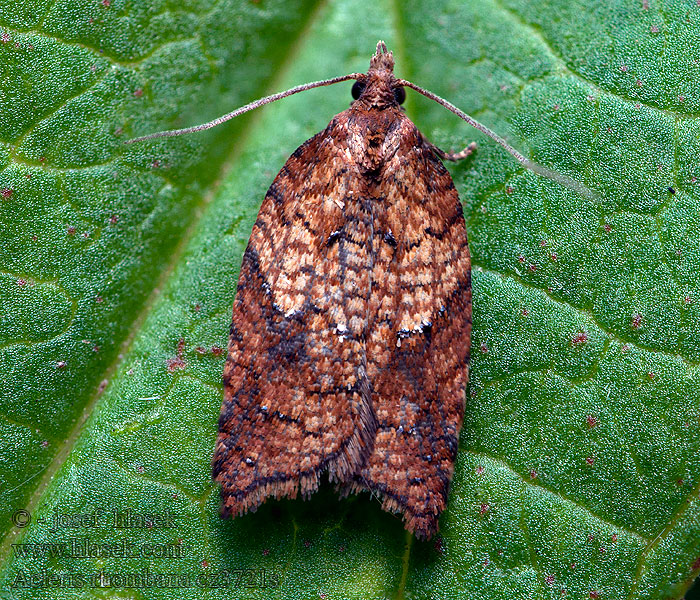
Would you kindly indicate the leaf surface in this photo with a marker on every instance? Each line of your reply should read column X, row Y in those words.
column 579, row 467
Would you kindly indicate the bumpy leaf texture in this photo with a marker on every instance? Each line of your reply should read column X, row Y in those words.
column 579, row 466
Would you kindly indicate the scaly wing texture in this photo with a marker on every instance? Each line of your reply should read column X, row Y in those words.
column 418, row 346
column 296, row 396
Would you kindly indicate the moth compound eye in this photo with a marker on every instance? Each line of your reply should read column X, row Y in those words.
column 400, row 94
column 357, row 88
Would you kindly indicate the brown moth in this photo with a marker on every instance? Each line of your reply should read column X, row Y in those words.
column 349, row 344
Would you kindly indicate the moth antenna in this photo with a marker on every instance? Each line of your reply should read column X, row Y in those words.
column 564, row 180
column 244, row 109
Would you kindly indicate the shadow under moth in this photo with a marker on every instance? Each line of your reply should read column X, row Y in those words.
column 349, row 344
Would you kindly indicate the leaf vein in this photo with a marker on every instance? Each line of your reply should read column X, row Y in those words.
column 536, row 31
column 528, row 482
column 678, row 356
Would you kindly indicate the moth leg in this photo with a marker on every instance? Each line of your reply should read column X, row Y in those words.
column 452, row 156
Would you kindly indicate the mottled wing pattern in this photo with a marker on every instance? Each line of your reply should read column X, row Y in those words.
column 420, row 323
column 296, row 397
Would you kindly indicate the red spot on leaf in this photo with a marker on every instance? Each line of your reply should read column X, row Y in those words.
column 590, row 537
column 106, row 3
column 533, row 268
column 608, row 228
column 549, row 579
column 200, row 350
column 696, row 565
column 639, row 83
column 197, row 308
column 113, row 219
column 680, row 483
column 645, row 4
column 654, row 29
column 138, row 92
column 651, row 375
column 45, row 444
column 580, row 338
column 688, row 300
column 636, row 321
column 625, row 348
column 140, row 469
column 602, row 550
column 155, row 164
column 594, row 595
column 591, row 421
column 217, row 350
column 553, row 257
column 71, row 230
column 509, row 190
column 614, row 538
column 590, row 460
column 526, row 312
column 543, row 243
column 624, row 68
column 555, row 107
column 205, row 564
column 486, row 562
column 266, row 552
column 484, row 509
column 307, row 543
column 483, row 348
column 521, row 258
column 21, row 282
column 5, row 37
column 7, row 193
column 437, row 546
column 479, row 470
column 61, row 364
column 681, row 99
column 533, row 474
column 177, row 363
column 99, row 299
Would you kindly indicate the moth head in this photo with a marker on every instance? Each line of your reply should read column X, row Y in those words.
column 383, row 60
column 378, row 88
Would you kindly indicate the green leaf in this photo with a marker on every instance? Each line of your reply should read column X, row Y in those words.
column 579, row 467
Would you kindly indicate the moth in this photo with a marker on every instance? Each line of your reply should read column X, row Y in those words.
column 349, row 344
